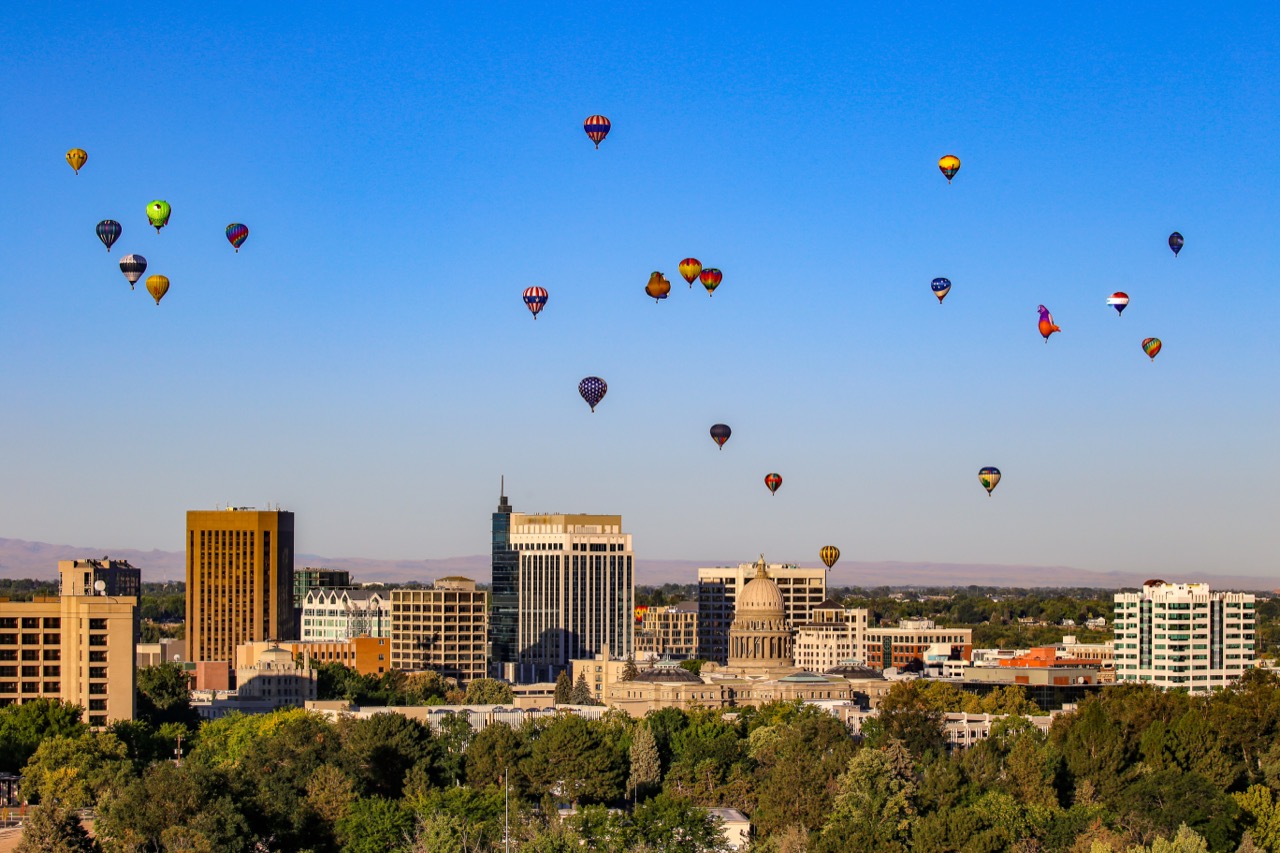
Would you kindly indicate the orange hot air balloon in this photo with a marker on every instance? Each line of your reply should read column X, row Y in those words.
column 949, row 165
column 1047, row 326
column 690, row 268
column 658, row 286
column 76, row 158
column 157, row 286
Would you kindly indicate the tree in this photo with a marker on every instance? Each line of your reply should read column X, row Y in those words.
column 378, row 751
column 489, row 691
column 668, row 825
column 646, row 767
column 581, row 693
column 564, row 688
column 906, row 714
column 163, row 696
column 23, row 727
column 874, row 805
column 571, row 758
column 375, row 825
column 54, row 828
column 191, row 803
column 1259, row 805
column 629, row 671
column 494, row 751
column 330, row 795
column 800, row 763
column 76, row 772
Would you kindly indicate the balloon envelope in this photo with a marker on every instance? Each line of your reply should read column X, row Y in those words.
column 720, row 434
column 592, row 389
column 1151, row 346
column 109, row 232
column 1119, row 301
column 1047, row 326
column 941, row 287
column 1175, row 243
column 237, row 234
column 597, row 128
column 949, row 164
column 133, row 266
column 772, row 482
column 989, row 477
column 157, row 286
column 158, row 214
column 658, row 286
column 690, row 268
column 711, row 279
column 829, row 555
column 76, row 157
column 535, row 298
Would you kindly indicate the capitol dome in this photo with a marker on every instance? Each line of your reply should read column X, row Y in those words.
column 762, row 598
column 759, row 638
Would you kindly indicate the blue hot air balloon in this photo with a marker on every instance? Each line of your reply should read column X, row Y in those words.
column 109, row 232
column 592, row 389
column 941, row 287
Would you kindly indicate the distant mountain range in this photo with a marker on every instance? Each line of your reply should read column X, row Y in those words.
column 23, row 559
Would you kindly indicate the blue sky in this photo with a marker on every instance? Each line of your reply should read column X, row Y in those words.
column 366, row 360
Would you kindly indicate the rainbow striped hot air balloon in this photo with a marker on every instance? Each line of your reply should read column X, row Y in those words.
column 1151, row 346
column 109, row 232
column 711, row 278
column 772, row 482
column 690, row 268
column 237, row 234
column 597, row 128
column 1119, row 301
column 535, row 298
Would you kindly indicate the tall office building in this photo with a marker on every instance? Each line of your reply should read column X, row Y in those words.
column 504, row 616
column 1183, row 636
column 239, row 580
column 575, row 589
column 802, row 591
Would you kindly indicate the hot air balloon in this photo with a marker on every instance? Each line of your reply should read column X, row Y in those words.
column 157, row 286
column 597, row 128
column 720, row 434
column 77, row 157
column 158, row 214
column 1175, row 243
column 829, row 555
column 535, row 298
column 1119, row 301
column 941, row 287
column 1047, row 326
column 658, row 286
column 711, row 279
column 772, row 481
column 949, row 165
column 989, row 478
column 109, row 232
column 593, row 389
column 237, row 234
column 689, row 268
column 133, row 266
column 1151, row 346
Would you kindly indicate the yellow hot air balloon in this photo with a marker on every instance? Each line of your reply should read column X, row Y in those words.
column 829, row 555
column 157, row 286
column 949, row 165
column 77, row 157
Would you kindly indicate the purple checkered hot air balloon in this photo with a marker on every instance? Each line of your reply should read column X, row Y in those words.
column 592, row 389
column 237, row 234
column 109, row 232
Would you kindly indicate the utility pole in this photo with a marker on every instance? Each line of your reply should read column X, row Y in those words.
column 506, row 810
column 177, row 753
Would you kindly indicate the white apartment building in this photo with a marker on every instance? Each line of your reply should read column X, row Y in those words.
column 575, row 591
column 1183, row 636
column 803, row 589
column 336, row 615
column 835, row 636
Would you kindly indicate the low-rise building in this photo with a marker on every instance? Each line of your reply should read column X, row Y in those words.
column 337, row 615
column 906, row 643
column 443, row 628
column 277, row 679
column 735, row 826
column 366, row 655
column 833, row 636
column 166, row 650
column 670, row 632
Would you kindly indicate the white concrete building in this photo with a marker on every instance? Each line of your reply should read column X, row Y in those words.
column 834, row 636
column 803, row 589
column 1183, row 636
column 337, row 615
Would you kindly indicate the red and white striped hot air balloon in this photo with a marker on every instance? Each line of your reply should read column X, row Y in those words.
column 1119, row 301
column 597, row 128
column 535, row 298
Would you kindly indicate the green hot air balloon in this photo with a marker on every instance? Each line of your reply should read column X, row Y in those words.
column 158, row 214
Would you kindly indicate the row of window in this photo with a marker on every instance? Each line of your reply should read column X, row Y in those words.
column 30, row 623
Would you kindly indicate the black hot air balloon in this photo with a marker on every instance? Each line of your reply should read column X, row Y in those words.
column 720, row 434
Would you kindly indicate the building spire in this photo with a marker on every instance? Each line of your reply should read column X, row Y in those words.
column 503, row 506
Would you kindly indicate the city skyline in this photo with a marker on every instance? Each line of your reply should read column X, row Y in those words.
column 365, row 360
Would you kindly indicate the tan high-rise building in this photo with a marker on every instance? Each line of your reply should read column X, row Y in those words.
column 77, row 648
column 239, row 580
column 445, row 628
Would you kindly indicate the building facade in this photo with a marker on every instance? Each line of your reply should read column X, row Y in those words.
column 81, row 577
column 802, row 590
column 1183, row 636
column 575, row 591
column 444, row 628
column 835, row 635
column 76, row 648
column 239, row 580
column 670, row 632
column 366, row 655
column 337, row 615
column 504, row 615
column 905, row 644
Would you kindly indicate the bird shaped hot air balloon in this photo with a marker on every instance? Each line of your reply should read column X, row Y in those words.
column 237, row 234
column 720, row 434
column 76, row 157
column 941, row 287
column 158, row 214
column 710, row 278
column 157, row 286
column 989, row 477
column 1151, row 346
column 133, row 266
column 829, row 555
column 109, row 232
column 1175, row 243
column 658, row 286
column 772, row 482
column 1047, row 326
column 690, row 268
column 949, row 164
column 535, row 298
column 1119, row 301
column 597, row 128
column 593, row 389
